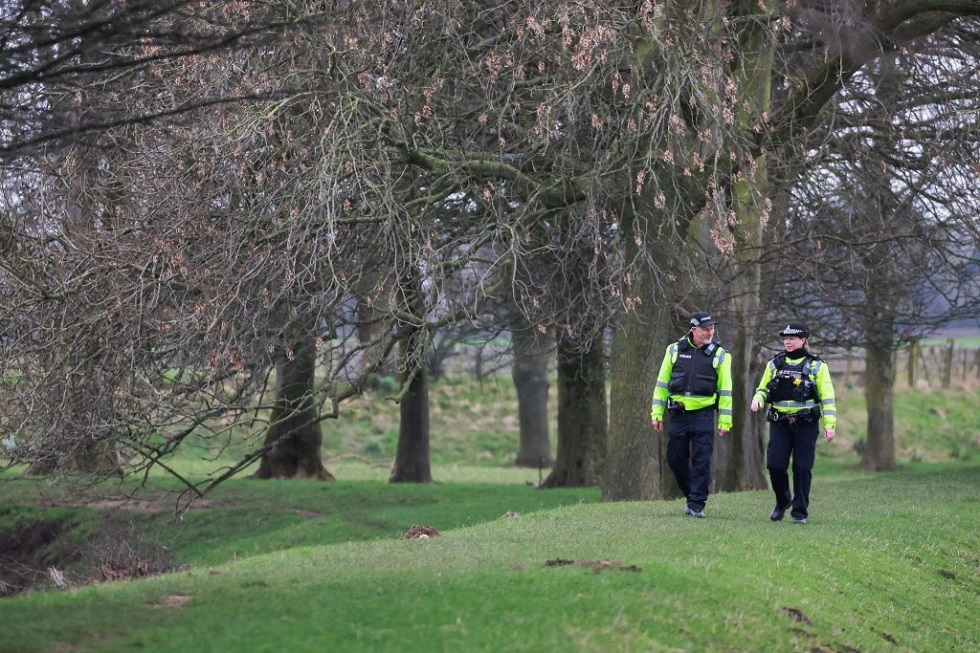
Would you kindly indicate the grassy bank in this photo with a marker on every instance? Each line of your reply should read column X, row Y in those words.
column 888, row 563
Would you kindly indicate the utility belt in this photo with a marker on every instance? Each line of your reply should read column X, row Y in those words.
column 677, row 408
column 799, row 417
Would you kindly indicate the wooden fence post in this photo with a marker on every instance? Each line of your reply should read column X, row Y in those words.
column 913, row 361
column 948, row 364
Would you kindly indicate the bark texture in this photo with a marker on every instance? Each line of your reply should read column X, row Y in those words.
column 412, row 464
column 294, row 435
column 636, row 466
column 879, row 386
column 532, row 350
column 582, row 416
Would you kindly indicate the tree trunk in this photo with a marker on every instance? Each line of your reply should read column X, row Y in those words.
column 92, row 458
column 738, row 460
column 294, row 432
column 582, row 416
column 412, row 462
column 529, row 371
column 370, row 337
column 636, row 466
column 879, row 386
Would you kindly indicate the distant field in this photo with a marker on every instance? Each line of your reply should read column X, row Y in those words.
column 950, row 360
column 967, row 337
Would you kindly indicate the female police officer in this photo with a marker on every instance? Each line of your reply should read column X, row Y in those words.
column 798, row 388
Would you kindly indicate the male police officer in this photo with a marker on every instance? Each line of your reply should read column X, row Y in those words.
column 695, row 378
column 797, row 386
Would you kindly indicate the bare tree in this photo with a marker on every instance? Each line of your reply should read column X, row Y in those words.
column 145, row 280
column 885, row 232
column 730, row 156
column 55, row 49
column 448, row 144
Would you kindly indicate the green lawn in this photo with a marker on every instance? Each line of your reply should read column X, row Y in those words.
column 889, row 562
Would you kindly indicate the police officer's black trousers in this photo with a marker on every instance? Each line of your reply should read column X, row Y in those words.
column 798, row 440
column 690, row 438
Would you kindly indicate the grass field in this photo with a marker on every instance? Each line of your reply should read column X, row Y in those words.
column 475, row 424
column 888, row 562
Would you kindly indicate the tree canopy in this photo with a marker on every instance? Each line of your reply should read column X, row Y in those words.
column 198, row 196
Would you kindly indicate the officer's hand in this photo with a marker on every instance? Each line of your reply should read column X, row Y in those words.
column 829, row 435
column 658, row 425
column 756, row 405
column 722, row 433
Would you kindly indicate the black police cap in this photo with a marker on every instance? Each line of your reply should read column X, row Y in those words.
column 701, row 320
column 797, row 329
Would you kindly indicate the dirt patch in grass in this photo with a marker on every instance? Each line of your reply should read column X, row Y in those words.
column 28, row 552
column 43, row 554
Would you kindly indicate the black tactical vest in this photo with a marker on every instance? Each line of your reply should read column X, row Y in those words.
column 694, row 373
column 792, row 383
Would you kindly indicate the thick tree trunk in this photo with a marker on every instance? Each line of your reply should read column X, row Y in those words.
column 370, row 336
column 739, row 459
column 636, row 466
column 582, row 416
column 531, row 350
column 879, row 384
column 738, row 462
column 412, row 460
column 294, row 432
